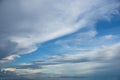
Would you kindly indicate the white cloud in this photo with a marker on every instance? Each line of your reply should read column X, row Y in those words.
column 27, row 71
column 10, row 69
column 85, row 41
column 103, row 53
column 26, row 23
column 10, row 58
column 98, row 61
column 72, row 69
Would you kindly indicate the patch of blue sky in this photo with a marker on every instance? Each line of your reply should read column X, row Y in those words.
column 109, row 27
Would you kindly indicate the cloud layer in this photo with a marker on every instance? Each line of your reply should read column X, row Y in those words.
column 27, row 23
column 103, row 61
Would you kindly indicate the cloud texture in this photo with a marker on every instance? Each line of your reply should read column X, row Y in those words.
column 25, row 24
column 99, row 62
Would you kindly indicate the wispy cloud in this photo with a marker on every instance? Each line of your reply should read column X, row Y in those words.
column 25, row 24
column 98, row 61
column 85, row 41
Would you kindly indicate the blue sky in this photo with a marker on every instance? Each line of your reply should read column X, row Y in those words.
column 57, row 38
column 51, row 48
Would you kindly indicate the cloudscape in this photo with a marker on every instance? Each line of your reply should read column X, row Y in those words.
column 59, row 39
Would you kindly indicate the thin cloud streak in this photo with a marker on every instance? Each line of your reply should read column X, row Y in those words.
column 97, row 61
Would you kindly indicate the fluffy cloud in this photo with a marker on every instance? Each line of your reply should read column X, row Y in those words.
column 27, row 23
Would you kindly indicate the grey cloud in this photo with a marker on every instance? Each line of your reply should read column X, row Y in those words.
column 26, row 23
column 40, row 65
column 103, row 63
column 34, row 66
column 5, row 75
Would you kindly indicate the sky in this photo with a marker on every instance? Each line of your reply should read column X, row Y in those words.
column 60, row 39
